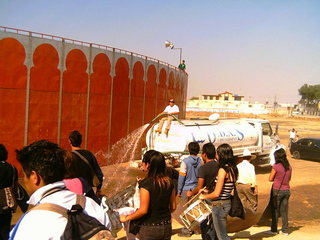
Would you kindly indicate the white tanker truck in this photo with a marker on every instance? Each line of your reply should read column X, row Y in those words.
column 255, row 135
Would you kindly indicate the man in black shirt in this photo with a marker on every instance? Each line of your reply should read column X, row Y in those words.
column 206, row 178
column 83, row 158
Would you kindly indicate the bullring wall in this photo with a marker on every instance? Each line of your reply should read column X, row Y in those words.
column 50, row 86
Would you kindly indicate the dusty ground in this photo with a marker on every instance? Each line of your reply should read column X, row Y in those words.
column 304, row 211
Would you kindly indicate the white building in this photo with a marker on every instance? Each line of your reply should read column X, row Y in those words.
column 225, row 102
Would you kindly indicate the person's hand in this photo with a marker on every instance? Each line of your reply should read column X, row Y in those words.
column 123, row 218
column 202, row 196
column 204, row 191
column 189, row 194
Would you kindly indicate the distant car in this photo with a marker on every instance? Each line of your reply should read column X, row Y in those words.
column 306, row 148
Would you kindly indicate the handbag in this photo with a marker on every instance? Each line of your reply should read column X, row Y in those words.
column 7, row 196
column 236, row 209
column 95, row 180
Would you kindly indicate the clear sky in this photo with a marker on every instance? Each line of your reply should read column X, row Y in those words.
column 261, row 49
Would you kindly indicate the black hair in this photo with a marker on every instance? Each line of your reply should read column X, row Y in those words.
column 281, row 157
column 45, row 158
column 147, row 155
column 157, row 170
column 75, row 138
column 227, row 160
column 3, row 153
column 210, row 150
column 193, row 148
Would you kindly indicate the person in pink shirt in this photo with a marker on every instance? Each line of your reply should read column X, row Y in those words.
column 280, row 176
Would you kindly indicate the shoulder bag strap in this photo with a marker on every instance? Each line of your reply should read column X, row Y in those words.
column 13, row 175
column 282, row 181
column 83, row 158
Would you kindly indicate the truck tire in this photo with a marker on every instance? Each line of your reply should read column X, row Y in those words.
column 296, row 155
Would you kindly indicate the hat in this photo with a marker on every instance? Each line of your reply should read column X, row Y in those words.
column 247, row 153
column 171, row 100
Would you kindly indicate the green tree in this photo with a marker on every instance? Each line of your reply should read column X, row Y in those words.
column 310, row 97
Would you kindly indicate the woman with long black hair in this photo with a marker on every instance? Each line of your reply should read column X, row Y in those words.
column 280, row 176
column 157, row 202
column 221, row 196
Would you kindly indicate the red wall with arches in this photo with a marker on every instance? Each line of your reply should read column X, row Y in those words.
column 13, row 81
column 120, row 101
column 44, row 94
column 137, row 95
column 49, row 88
column 150, row 94
column 74, row 100
column 99, row 108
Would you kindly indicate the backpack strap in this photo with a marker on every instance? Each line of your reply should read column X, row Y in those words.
column 81, row 200
column 51, row 207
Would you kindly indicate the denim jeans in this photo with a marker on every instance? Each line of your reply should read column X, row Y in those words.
column 219, row 218
column 162, row 232
column 282, row 209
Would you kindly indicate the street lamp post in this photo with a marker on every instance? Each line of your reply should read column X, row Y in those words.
column 171, row 45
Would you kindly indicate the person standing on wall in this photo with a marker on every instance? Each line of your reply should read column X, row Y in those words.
column 182, row 65
column 85, row 162
column 172, row 110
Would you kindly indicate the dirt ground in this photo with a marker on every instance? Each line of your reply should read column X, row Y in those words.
column 304, row 208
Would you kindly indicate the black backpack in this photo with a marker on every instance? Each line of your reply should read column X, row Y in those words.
column 80, row 226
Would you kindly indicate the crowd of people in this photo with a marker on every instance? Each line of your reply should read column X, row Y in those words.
column 54, row 175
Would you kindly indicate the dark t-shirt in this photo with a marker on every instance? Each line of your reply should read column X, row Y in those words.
column 209, row 172
column 81, row 168
column 159, row 206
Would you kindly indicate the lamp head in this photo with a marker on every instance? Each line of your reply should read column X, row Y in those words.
column 168, row 44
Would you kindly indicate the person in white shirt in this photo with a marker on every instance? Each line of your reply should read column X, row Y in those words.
column 246, row 184
column 43, row 169
column 171, row 110
column 276, row 147
column 292, row 136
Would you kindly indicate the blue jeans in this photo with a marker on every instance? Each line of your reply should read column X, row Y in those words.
column 281, row 209
column 219, row 217
column 162, row 232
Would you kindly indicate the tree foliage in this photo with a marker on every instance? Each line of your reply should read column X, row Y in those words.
column 310, row 95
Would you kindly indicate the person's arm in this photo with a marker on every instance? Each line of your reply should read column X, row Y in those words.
column 222, row 174
column 98, row 172
column 182, row 177
column 272, row 175
column 144, row 206
column 173, row 204
column 197, row 188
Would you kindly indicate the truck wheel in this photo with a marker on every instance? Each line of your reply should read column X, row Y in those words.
column 296, row 154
